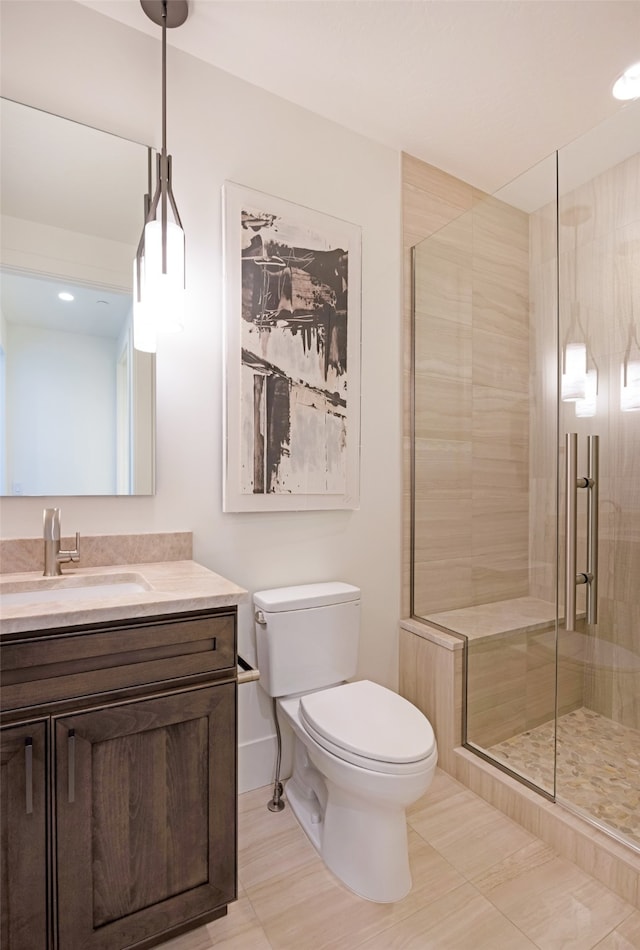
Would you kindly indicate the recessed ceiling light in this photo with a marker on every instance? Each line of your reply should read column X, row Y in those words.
column 628, row 85
column 65, row 296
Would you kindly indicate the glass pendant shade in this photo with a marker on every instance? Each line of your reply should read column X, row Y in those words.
column 574, row 376
column 163, row 293
column 630, row 386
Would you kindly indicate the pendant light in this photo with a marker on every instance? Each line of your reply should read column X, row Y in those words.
column 158, row 270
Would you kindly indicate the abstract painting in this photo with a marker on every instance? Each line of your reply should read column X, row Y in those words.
column 292, row 355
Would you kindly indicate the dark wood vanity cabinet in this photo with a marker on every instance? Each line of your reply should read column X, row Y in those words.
column 128, row 835
column 23, row 827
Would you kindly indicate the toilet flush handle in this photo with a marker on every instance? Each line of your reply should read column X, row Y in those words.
column 260, row 618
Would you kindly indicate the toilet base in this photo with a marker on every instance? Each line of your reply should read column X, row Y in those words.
column 364, row 845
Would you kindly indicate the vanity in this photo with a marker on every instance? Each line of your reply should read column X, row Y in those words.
column 118, row 755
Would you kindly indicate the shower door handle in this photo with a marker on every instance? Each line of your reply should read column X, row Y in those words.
column 571, row 511
column 593, row 477
column 573, row 482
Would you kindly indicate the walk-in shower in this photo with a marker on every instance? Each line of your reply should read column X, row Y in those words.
column 526, row 469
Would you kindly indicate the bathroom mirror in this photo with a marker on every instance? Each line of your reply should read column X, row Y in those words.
column 77, row 402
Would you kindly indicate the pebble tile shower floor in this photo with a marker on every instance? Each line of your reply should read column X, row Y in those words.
column 598, row 766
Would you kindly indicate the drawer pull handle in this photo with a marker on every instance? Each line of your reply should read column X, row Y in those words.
column 28, row 774
column 71, row 764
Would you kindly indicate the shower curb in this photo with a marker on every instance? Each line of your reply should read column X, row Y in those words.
column 610, row 862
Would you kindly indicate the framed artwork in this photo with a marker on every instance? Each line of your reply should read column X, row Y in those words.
column 292, row 286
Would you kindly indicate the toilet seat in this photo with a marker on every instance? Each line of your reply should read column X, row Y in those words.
column 370, row 726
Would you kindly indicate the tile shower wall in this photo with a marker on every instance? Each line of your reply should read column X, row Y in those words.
column 472, row 387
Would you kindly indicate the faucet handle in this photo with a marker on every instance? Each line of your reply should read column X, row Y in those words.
column 71, row 555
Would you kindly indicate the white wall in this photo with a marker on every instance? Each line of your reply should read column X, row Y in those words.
column 60, row 386
column 92, row 69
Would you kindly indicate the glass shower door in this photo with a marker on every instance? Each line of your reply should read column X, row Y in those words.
column 598, row 751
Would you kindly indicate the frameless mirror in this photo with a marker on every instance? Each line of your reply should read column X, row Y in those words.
column 77, row 402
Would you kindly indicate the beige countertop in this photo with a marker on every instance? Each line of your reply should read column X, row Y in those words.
column 169, row 587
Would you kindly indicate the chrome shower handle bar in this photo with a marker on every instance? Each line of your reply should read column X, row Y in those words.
column 593, row 476
column 571, row 510
column 573, row 482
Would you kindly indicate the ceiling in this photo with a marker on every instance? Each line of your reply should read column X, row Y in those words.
column 480, row 88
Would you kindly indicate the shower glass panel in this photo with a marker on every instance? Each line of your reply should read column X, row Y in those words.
column 485, row 485
column 527, row 330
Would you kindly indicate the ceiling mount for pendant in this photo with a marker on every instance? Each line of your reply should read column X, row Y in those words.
column 177, row 11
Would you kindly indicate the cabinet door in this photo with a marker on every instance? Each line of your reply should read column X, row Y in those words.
column 23, row 828
column 146, row 817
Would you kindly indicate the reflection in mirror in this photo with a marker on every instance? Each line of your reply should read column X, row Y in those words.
column 77, row 401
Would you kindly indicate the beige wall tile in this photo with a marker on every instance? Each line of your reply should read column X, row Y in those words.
column 496, row 577
column 500, row 361
column 500, row 309
column 431, row 678
column 442, row 348
column 441, row 585
column 443, row 465
column 443, row 525
column 443, row 408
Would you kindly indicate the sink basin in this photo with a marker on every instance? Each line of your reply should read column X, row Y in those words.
column 71, row 589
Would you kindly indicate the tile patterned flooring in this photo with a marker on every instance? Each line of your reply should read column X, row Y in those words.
column 480, row 882
column 598, row 766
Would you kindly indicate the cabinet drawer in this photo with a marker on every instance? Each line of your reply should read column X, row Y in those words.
column 61, row 666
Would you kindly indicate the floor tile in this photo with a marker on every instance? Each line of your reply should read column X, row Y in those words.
column 480, row 882
column 551, row 900
column 626, row 936
column 468, row 832
column 270, row 844
column 311, row 908
column 239, row 930
column 463, row 920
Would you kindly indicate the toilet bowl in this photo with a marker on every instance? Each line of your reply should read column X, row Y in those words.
column 361, row 753
column 350, row 786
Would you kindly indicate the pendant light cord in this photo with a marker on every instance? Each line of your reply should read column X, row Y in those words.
column 163, row 157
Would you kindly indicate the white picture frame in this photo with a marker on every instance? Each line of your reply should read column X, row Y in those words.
column 292, row 326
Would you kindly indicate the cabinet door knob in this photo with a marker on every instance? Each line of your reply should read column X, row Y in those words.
column 28, row 774
column 71, row 764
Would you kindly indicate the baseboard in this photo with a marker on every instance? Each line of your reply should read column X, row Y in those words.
column 256, row 763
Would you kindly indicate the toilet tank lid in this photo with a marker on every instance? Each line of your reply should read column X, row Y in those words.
column 304, row 596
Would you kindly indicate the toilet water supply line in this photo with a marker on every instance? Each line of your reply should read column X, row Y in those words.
column 277, row 803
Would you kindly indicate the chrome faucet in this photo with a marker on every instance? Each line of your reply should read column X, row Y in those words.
column 53, row 556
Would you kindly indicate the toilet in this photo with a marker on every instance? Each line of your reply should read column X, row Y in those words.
column 361, row 753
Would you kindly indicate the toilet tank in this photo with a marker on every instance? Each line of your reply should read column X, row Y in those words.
column 306, row 636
